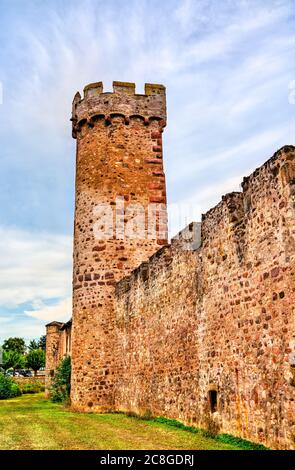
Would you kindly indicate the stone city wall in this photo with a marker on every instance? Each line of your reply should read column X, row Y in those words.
column 208, row 335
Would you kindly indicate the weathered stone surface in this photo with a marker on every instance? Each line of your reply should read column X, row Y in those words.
column 115, row 135
column 199, row 330
column 219, row 318
column 58, row 345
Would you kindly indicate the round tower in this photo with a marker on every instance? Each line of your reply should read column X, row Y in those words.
column 120, row 221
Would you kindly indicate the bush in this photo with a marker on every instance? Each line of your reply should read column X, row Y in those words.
column 32, row 387
column 8, row 389
column 15, row 390
column 61, row 383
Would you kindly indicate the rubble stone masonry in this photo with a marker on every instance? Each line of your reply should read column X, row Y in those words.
column 209, row 335
column 201, row 331
column 119, row 155
column 58, row 345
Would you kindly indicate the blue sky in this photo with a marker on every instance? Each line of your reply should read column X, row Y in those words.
column 227, row 67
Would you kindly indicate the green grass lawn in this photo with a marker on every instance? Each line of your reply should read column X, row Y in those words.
column 32, row 422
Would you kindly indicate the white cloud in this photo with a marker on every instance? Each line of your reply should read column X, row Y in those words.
column 33, row 266
column 153, row 48
column 62, row 311
column 199, row 202
column 23, row 328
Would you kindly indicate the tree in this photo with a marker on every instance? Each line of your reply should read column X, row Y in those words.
column 38, row 343
column 15, row 344
column 42, row 343
column 13, row 360
column 36, row 359
column 61, row 382
column 33, row 345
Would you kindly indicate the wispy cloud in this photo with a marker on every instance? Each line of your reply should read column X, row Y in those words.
column 33, row 267
column 61, row 311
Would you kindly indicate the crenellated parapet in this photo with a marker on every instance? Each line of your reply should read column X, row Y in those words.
column 123, row 101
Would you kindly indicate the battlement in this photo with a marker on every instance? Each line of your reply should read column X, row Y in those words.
column 123, row 100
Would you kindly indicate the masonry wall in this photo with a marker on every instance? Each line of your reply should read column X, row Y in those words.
column 119, row 155
column 54, row 347
column 219, row 321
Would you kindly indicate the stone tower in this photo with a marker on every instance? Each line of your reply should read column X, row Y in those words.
column 120, row 221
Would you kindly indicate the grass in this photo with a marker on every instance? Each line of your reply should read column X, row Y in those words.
column 31, row 422
column 225, row 438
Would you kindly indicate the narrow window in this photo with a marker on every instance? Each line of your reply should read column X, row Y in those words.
column 213, row 400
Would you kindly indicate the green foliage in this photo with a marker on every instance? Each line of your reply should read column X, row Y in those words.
column 35, row 359
column 61, row 383
column 242, row 443
column 38, row 343
column 13, row 360
column 15, row 344
column 15, row 390
column 33, row 344
column 8, row 389
column 32, row 387
column 224, row 438
column 176, row 424
column 42, row 343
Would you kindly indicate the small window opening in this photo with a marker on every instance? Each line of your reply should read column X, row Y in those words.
column 213, row 400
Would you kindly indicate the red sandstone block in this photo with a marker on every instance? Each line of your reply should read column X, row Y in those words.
column 156, row 186
column 109, row 275
column 157, row 199
column 153, row 160
column 156, row 135
column 275, row 272
column 99, row 248
column 157, row 148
